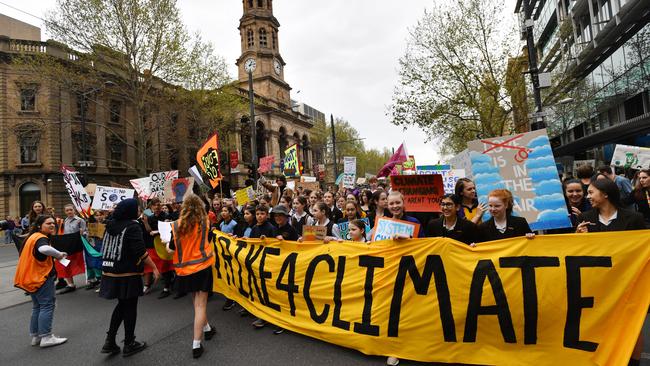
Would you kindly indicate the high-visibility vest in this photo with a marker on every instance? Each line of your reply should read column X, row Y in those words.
column 31, row 273
column 193, row 251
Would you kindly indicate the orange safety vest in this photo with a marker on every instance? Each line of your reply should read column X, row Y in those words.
column 31, row 273
column 193, row 252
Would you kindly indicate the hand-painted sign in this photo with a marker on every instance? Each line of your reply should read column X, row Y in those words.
column 386, row 227
column 80, row 198
column 344, row 228
column 291, row 161
column 178, row 189
column 266, row 164
column 143, row 187
column 208, row 159
column 408, row 167
column 634, row 157
column 157, row 182
column 523, row 164
column 449, row 176
column 421, row 192
column 107, row 197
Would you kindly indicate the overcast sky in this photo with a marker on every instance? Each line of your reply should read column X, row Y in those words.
column 342, row 56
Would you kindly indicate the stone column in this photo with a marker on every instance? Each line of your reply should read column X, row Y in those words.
column 130, row 136
column 66, row 129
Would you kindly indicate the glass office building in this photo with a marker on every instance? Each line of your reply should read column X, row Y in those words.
column 598, row 55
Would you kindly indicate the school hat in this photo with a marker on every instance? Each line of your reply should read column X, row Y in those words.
column 279, row 209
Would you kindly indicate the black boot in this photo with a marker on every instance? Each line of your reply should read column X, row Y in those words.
column 133, row 348
column 110, row 346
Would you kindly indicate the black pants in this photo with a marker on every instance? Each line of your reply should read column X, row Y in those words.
column 168, row 279
column 126, row 310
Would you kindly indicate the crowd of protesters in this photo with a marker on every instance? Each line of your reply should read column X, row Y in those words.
column 597, row 200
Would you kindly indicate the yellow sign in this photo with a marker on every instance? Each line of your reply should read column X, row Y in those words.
column 556, row 299
column 291, row 161
column 244, row 195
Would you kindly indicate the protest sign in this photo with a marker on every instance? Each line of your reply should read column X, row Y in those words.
column 386, row 227
column 312, row 233
column 449, row 176
column 345, row 226
column 307, row 179
column 90, row 189
column 350, row 165
column 196, row 174
column 234, row 159
column 96, row 229
column 579, row 163
column 634, row 157
column 291, row 165
column 421, row 192
column 462, row 161
column 178, row 189
column 313, row 186
column 143, row 187
column 348, row 180
column 165, row 230
column 408, row 167
column 208, row 159
column 244, row 195
column 80, row 198
column 106, row 198
column 583, row 301
column 266, row 164
column 523, row 164
column 361, row 181
column 157, row 182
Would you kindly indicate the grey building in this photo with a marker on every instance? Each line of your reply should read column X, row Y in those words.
column 598, row 55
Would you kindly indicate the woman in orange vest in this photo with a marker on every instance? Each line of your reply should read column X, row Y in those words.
column 193, row 261
column 35, row 274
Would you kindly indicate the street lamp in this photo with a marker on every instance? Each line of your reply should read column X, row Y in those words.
column 249, row 66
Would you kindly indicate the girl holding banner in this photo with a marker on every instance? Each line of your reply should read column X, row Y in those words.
column 193, row 261
column 396, row 209
column 357, row 231
column 502, row 224
column 300, row 217
column 450, row 225
column 321, row 218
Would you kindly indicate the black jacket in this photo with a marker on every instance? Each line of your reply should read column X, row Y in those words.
column 642, row 206
column 515, row 226
column 123, row 248
column 335, row 214
column 465, row 231
column 288, row 232
column 625, row 220
column 265, row 229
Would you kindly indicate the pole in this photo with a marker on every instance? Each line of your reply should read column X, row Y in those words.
column 251, row 101
column 83, row 131
column 336, row 168
column 538, row 121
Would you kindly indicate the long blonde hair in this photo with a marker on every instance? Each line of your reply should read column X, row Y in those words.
column 192, row 213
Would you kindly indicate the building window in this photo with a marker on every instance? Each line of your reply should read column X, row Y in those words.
column 270, row 2
column 263, row 41
column 260, row 3
column 116, row 152
column 250, row 35
column 274, row 39
column 28, row 192
column 633, row 106
column 29, row 149
column 115, row 108
column 82, row 105
column 28, row 99
column 250, row 3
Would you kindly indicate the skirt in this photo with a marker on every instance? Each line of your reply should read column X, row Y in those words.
column 199, row 281
column 162, row 265
column 120, row 287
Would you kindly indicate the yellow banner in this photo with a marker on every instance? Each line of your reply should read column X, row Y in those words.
column 566, row 299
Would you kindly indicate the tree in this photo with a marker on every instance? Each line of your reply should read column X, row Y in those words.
column 453, row 74
column 144, row 48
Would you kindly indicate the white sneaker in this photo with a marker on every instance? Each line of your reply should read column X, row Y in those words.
column 392, row 361
column 52, row 340
column 36, row 341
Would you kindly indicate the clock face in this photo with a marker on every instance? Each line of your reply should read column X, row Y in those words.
column 277, row 66
column 250, row 65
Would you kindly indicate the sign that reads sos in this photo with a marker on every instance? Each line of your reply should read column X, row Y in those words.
column 106, row 198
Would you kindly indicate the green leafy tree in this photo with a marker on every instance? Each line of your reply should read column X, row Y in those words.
column 453, row 74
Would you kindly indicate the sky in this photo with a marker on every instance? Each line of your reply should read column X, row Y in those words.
column 342, row 56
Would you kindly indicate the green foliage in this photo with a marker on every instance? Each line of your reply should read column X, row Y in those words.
column 453, row 74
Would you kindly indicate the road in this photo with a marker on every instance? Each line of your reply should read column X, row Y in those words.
column 166, row 325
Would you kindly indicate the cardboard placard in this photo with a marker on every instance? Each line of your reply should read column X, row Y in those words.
column 158, row 180
column 449, row 176
column 291, row 161
column 421, row 192
column 244, row 195
column 178, row 189
column 80, row 198
column 386, row 227
column 313, row 233
column 96, row 229
column 106, row 198
column 345, row 226
column 266, row 164
column 634, row 157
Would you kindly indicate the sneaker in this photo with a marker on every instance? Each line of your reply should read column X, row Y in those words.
column 179, row 295
column 229, row 304
column 259, row 323
column 197, row 352
column 146, row 290
column 61, row 284
column 392, row 361
column 111, row 347
column 243, row 312
column 165, row 293
column 278, row 330
column 133, row 348
column 51, row 341
column 91, row 285
column 66, row 290
column 36, row 341
column 97, row 289
column 209, row 334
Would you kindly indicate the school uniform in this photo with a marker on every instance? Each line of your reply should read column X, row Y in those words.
column 228, row 227
column 335, row 214
column 265, row 229
column 287, row 232
column 621, row 221
column 193, row 258
column 298, row 221
column 515, row 226
column 463, row 230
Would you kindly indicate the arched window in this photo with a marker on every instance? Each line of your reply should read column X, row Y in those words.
column 282, row 141
column 29, row 148
column 246, row 150
column 274, row 39
column 250, row 3
column 28, row 192
column 305, row 151
column 250, row 36
column 260, row 135
column 263, row 41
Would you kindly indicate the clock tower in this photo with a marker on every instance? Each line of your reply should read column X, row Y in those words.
column 260, row 49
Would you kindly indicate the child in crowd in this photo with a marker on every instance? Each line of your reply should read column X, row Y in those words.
column 263, row 228
column 227, row 225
